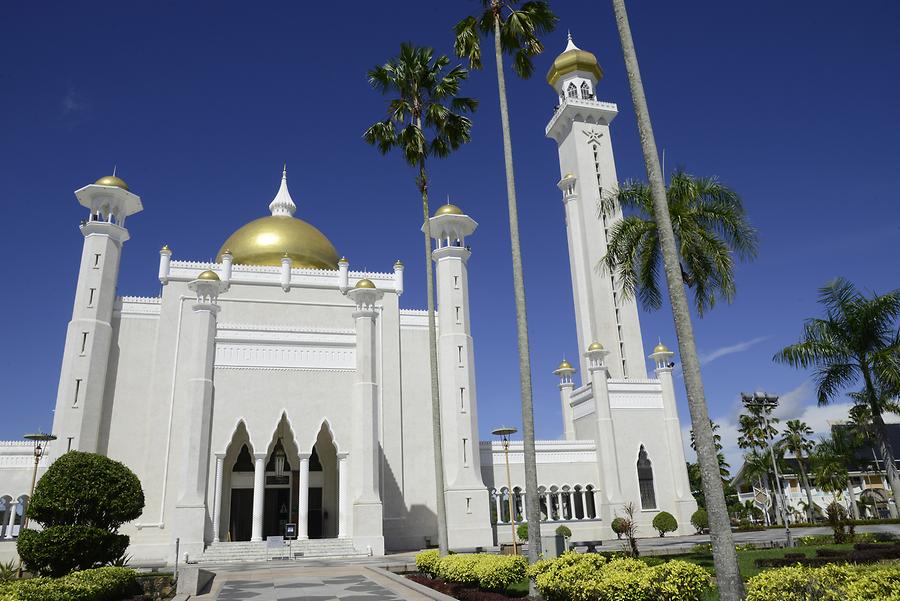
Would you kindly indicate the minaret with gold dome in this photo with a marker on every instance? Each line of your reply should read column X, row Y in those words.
column 83, row 381
column 580, row 127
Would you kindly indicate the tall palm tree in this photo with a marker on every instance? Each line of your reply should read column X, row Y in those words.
column 728, row 577
column 756, row 428
column 858, row 339
column 426, row 118
column 710, row 227
column 796, row 440
column 515, row 29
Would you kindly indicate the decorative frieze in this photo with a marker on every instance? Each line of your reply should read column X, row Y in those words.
column 546, row 451
column 284, row 347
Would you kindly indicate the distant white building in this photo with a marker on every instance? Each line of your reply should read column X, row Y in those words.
column 277, row 386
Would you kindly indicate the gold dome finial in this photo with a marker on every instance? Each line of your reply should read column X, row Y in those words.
column 573, row 59
column 448, row 209
column 113, row 181
column 595, row 346
column 661, row 348
column 165, row 248
column 399, row 263
column 209, row 276
column 365, row 283
column 565, row 366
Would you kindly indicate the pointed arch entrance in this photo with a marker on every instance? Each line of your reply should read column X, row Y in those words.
column 323, row 502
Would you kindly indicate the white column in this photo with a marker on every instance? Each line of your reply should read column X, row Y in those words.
column 259, row 492
column 303, row 505
column 12, row 518
column 217, row 500
column 497, row 507
column 343, row 495
column 561, row 515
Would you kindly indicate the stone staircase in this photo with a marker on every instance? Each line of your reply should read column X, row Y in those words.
column 237, row 552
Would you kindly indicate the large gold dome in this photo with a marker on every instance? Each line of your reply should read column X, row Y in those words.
column 266, row 240
column 573, row 59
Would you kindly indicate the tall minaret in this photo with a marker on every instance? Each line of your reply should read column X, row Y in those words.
column 468, row 520
column 580, row 126
column 82, row 380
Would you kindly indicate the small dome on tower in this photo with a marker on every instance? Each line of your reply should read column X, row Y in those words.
column 210, row 276
column 573, row 59
column 661, row 348
column 595, row 346
column 365, row 283
column 112, row 180
column 448, row 209
column 565, row 366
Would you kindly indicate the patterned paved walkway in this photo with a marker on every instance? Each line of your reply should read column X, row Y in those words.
column 354, row 587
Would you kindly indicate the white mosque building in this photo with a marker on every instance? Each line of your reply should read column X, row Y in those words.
column 279, row 386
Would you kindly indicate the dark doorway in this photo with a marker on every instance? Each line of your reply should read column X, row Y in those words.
column 276, row 511
column 315, row 513
column 241, row 525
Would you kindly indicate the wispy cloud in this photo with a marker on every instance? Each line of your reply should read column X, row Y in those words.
column 73, row 103
column 740, row 347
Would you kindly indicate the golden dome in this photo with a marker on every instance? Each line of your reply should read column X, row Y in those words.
column 208, row 275
column 573, row 59
column 595, row 346
column 266, row 240
column 112, row 180
column 448, row 209
column 365, row 283
column 565, row 366
column 660, row 348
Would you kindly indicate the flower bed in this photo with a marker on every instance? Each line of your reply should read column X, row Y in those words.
column 831, row 582
column 860, row 554
column 469, row 573
column 100, row 584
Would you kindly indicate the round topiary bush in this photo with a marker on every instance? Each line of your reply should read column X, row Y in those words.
column 618, row 526
column 700, row 520
column 665, row 522
column 564, row 531
column 81, row 501
column 522, row 531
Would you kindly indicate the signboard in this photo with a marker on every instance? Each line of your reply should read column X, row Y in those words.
column 290, row 531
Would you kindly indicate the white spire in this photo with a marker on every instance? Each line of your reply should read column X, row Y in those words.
column 283, row 205
column 570, row 45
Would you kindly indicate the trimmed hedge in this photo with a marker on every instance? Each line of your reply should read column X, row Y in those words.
column 831, row 582
column 618, row 526
column 57, row 550
column 700, row 520
column 484, row 570
column 591, row 577
column 665, row 522
column 862, row 553
column 101, row 584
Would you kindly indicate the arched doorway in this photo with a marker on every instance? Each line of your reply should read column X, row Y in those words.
column 323, row 487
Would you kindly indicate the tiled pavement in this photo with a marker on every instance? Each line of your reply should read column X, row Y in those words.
column 351, row 587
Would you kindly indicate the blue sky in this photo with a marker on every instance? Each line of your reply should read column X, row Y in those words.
column 199, row 104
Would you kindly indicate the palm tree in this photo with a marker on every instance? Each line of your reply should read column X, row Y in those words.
column 515, row 30
column 757, row 428
column 796, row 441
column 425, row 119
column 710, row 226
column 858, row 339
column 724, row 466
column 832, row 460
column 728, row 576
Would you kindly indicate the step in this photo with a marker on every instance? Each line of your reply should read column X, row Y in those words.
column 249, row 551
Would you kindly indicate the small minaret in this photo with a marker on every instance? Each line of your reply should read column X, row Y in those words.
column 580, row 127
column 607, row 454
column 466, row 495
column 565, row 371
column 82, row 381
column 662, row 358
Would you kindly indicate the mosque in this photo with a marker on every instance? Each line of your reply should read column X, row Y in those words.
column 277, row 389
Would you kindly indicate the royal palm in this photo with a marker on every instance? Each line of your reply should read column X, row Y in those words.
column 515, row 29
column 425, row 119
column 796, row 441
column 858, row 341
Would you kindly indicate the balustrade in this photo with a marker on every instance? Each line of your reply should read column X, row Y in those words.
column 568, row 503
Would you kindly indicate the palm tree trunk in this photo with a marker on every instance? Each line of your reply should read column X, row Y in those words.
column 854, row 509
column 728, row 577
column 532, row 498
column 436, row 433
column 887, row 454
column 804, row 481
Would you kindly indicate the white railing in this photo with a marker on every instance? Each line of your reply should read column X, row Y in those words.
column 564, row 503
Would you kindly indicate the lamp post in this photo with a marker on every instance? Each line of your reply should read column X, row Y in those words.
column 504, row 434
column 40, row 440
column 768, row 402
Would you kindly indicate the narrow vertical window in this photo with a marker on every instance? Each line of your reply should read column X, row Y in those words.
column 91, row 297
column 459, row 354
column 572, row 91
column 84, row 336
column 456, row 282
column 585, row 90
column 458, row 318
column 77, row 392
column 96, row 260
column 465, row 451
column 645, row 480
column 462, row 399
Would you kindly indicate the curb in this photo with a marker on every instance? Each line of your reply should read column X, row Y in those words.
column 415, row 586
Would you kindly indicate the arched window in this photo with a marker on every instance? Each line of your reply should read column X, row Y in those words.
column 572, row 91
column 645, row 480
column 244, row 462
column 585, row 90
column 589, row 508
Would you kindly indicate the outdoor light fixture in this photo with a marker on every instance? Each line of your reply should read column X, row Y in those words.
column 279, row 459
column 504, row 433
column 41, row 441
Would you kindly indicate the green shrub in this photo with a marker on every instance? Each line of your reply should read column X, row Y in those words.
column 522, row 531
column 618, row 526
column 81, row 501
column 829, row 583
column 700, row 520
column 101, row 584
column 497, row 572
column 458, row 568
column 563, row 531
column 665, row 522
column 426, row 562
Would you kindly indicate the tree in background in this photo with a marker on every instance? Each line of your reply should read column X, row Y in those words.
column 796, row 440
column 426, row 119
column 857, row 340
column 831, row 463
column 516, row 30
column 757, row 428
column 731, row 496
column 81, row 501
column 728, row 576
